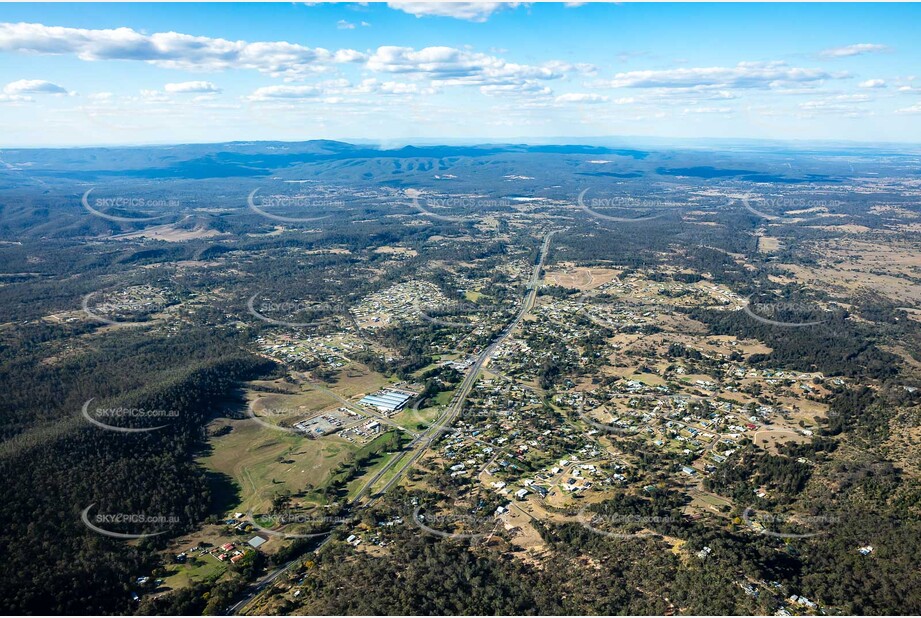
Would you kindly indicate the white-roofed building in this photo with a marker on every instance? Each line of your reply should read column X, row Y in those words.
column 388, row 400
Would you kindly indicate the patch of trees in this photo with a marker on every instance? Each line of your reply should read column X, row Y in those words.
column 54, row 563
column 834, row 347
column 557, row 291
column 751, row 468
column 860, row 410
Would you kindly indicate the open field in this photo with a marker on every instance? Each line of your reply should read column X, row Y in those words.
column 263, row 462
column 580, row 278
column 847, row 265
column 170, row 233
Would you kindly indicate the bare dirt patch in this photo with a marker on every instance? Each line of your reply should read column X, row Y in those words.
column 581, row 278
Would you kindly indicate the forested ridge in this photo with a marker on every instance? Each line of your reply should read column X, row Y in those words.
column 54, row 564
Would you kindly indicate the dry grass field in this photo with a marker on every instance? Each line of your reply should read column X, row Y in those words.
column 580, row 278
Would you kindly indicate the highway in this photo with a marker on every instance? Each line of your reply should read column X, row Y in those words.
column 456, row 405
column 259, row 585
column 423, row 441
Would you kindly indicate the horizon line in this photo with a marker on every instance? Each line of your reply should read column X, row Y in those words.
column 483, row 141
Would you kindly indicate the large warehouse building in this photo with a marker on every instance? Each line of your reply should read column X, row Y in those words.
column 388, row 401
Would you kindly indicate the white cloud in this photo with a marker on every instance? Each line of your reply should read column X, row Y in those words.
column 344, row 25
column 859, row 98
column 873, row 83
column 32, row 86
column 154, row 96
column 845, row 104
column 743, row 75
column 205, row 98
column 14, row 98
column 191, row 87
column 374, row 86
column 348, row 55
column 267, row 93
column 398, row 88
column 581, row 97
column 451, row 67
column 690, row 96
column 914, row 109
column 707, row 110
column 528, row 87
column 171, row 49
column 854, row 50
column 335, row 90
column 443, row 65
column 569, row 67
column 469, row 11
column 834, row 100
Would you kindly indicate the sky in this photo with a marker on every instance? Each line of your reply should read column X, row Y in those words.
column 395, row 73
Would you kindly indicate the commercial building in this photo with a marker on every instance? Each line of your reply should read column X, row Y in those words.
column 388, row 400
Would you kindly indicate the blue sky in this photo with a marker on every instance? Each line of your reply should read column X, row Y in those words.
column 83, row 74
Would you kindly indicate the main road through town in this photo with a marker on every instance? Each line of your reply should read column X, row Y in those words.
column 421, row 443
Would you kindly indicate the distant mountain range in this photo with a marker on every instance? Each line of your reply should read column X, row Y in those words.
column 326, row 160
